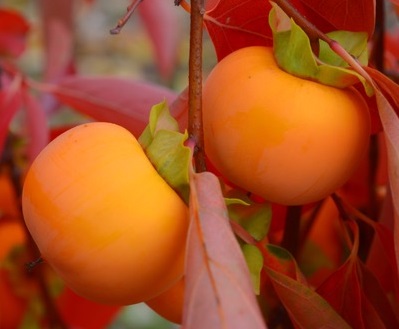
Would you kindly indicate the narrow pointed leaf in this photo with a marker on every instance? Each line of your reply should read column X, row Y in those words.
column 118, row 100
column 307, row 309
column 219, row 292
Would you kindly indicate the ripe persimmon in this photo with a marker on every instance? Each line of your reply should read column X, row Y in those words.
column 103, row 217
column 170, row 303
column 289, row 140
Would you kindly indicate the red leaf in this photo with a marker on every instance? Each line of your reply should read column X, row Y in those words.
column 387, row 96
column 37, row 127
column 121, row 101
column 219, row 291
column 162, row 23
column 344, row 290
column 234, row 24
column 382, row 258
column 305, row 307
column 58, row 27
column 349, row 15
column 78, row 312
column 13, row 32
column 377, row 297
column 281, row 261
column 10, row 102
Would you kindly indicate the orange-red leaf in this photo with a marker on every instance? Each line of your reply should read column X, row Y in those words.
column 219, row 293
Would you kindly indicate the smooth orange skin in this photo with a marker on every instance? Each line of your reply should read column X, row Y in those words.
column 170, row 303
column 103, row 218
column 289, row 140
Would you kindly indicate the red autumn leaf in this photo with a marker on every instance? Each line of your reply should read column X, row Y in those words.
column 306, row 308
column 121, row 101
column 36, row 125
column 78, row 312
column 349, row 15
column 10, row 102
column 58, row 38
column 345, row 292
column 162, row 23
column 233, row 24
column 382, row 258
column 387, row 96
column 13, row 32
column 281, row 261
column 219, row 291
column 377, row 297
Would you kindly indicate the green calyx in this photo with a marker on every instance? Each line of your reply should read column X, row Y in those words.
column 293, row 53
column 164, row 146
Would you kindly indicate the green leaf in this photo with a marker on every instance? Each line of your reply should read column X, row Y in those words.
column 354, row 43
column 255, row 218
column 293, row 53
column 254, row 259
column 164, row 146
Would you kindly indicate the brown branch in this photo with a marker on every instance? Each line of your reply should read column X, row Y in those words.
column 195, row 129
column 129, row 12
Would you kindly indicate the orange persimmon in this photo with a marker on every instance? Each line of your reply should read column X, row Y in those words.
column 103, row 217
column 289, row 140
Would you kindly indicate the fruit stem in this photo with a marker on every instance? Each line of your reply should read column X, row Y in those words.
column 195, row 129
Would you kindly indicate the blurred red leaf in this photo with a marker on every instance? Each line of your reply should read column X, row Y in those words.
column 121, row 101
column 13, row 32
column 10, row 102
column 58, row 27
column 36, row 124
column 234, row 24
column 219, row 291
column 162, row 23
column 78, row 312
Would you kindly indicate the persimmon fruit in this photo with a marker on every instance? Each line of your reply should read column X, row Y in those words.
column 103, row 217
column 289, row 140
